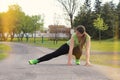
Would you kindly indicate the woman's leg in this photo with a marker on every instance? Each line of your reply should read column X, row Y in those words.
column 60, row 51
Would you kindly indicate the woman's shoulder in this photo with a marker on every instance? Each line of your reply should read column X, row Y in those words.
column 74, row 34
column 87, row 36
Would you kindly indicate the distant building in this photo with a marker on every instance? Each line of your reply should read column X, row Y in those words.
column 59, row 31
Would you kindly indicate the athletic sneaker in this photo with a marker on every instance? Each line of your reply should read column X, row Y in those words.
column 33, row 61
column 77, row 61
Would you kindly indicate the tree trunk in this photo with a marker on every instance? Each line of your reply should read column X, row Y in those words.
column 99, row 35
column 71, row 23
column 71, row 20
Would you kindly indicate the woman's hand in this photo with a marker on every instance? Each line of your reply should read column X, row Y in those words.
column 69, row 59
column 69, row 63
column 87, row 64
column 88, row 42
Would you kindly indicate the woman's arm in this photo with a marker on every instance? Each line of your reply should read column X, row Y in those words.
column 70, row 51
column 87, row 50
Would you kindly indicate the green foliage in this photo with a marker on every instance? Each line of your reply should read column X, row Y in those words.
column 98, row 6
column 99, row 23
column 109, row 13
column 85, row 17
column 15, row 21
column 118, row 13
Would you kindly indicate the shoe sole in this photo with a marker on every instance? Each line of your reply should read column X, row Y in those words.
column 32, row 63
column 29, row 62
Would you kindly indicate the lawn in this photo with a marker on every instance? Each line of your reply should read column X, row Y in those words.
column 112, row 60
column 4, row 51
column 103, row 46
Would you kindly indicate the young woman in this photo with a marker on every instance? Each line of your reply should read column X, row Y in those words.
column 72, row 47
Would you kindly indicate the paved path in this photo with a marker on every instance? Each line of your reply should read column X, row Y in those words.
column 16, row 67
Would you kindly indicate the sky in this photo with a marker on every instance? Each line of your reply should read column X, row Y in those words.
column 49, row 9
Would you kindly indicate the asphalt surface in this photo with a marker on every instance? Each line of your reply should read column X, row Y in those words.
column 16, row 67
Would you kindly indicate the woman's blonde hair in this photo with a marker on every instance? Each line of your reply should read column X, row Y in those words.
column 82, row 30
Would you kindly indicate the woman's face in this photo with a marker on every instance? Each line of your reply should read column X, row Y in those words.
column 79, row 34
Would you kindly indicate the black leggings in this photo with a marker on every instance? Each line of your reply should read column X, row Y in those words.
column 60, row 51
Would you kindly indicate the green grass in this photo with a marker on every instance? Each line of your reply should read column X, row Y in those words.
column 3, row 51
column 112, row 60
column 46, row 43
column 105, row 46
column 3, row 55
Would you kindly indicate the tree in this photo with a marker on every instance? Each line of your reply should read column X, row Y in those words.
column 37, row 23
column 88, row 4
column 118, row 19
column 98, row 6
column 70, row 7
column 109, row 15
column 1, row 28
column 107, row 11
column 12, row 19
column 85, row 17
column 100, row 25
column 19, row 25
